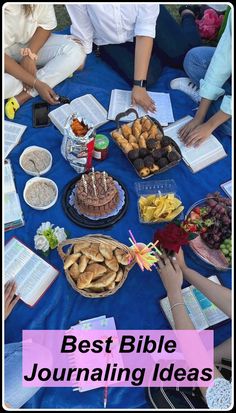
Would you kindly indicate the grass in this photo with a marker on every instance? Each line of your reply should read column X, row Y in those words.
column 63, row 19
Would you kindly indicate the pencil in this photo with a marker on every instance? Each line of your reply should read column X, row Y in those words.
column 105, row 398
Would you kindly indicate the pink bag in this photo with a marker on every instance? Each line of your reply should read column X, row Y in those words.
column 210, row 24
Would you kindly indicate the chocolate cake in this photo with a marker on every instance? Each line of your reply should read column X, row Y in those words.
column 104, row 201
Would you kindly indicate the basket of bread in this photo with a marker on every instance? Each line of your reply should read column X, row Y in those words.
column 145, row 145
column 96, row 265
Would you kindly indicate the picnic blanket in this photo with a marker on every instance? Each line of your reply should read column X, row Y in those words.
column 136, row 304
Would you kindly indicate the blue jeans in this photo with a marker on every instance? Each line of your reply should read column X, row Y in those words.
column 196, row 63
column 15, row 394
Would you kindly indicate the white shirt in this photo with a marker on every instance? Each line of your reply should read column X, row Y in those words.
column 19, row 28
column 112, row 23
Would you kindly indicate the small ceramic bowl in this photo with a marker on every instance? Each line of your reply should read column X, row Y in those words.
column 27, row 151
column 39, row 179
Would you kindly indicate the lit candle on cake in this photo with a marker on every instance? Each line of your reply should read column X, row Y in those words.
column 104, row 181
column 85, row 184
column 94, row 185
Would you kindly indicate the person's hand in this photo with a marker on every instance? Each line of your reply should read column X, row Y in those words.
column 141, row 97
column 46, row 93
column 30, row 67
column 180, row 259
column 10, row 298
column 198, row 135
column 170, row 273
column 189, row 127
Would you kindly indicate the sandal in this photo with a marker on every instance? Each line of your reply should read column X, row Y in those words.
column 11, row 107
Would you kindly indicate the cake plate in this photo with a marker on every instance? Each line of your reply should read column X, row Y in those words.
column 85, row 222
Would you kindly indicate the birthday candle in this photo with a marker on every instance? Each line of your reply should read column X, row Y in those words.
column 94, row 185
column 85, row 184
column 104, row 180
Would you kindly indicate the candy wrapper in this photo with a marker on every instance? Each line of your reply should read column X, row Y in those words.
column 78, row 143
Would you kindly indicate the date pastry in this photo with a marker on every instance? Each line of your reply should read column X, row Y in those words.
column 132, row 139
column 135, row 145
column 142, row 142
column 106, row 251
column 122, row 256
column 103, row 281
column 112, row 264
column 83, row 261
column 144, row 172
column 116, row 135
column 146, row 124
column 96, row 269
column 144, row 135
column 126, row 131
column 70, row 260
column 126, row 147
column 74, row 271
column 84, row 279
column 153, row 131
column 137, row 128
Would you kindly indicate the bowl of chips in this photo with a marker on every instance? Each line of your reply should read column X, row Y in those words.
column 158, row 202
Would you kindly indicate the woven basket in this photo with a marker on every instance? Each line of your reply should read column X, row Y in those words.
column 98, row 239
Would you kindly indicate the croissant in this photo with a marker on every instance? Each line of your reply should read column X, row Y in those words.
column 93, row 254
column 103, row 281
column 83, row 263
column 112, row 264
column 74, row 271
column 80, row 245
column 96, row 269
column 126, row 130
column 106, row 251
column 122, row 256
column 70, row 260
column 84, row 279
column 111, row 286
column 119, row 276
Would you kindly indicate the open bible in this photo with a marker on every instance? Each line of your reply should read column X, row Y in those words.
column 30, row 272
column 87, row 107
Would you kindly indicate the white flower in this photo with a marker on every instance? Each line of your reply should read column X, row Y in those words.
column 44, row 226
column 41, row 243
column 60, row 234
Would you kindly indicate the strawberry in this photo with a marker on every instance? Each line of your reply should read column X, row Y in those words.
column 197, row 210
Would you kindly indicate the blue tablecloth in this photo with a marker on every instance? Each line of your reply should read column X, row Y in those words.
column 136, row 304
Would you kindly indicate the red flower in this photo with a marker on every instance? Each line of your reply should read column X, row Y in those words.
column 172, row 237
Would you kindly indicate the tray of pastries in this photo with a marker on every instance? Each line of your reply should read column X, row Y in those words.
column 96, row 265
column 145, row 145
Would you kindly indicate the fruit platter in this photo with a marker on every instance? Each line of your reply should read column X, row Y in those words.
column 210, row 220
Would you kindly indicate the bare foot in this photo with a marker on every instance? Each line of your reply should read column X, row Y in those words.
column 23, row 97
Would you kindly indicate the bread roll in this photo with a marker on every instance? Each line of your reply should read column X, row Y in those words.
column 84, row 279
column 106, row 251
column 83, row 261
column 70, row 260
column 112, row 264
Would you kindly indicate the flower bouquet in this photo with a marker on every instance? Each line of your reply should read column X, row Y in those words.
column 47, row 237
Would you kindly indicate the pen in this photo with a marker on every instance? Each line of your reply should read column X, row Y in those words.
column 105, row 399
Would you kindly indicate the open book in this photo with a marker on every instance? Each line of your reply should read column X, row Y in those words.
column 203, row 313
column 13, row 215
column 86, row 107
column 121, row 101
column 227, row 188
column 196, row 158
column 12, row 135
column 31, row 273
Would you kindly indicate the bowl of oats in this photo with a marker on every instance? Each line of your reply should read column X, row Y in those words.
column 40, row 193
column 35, row 160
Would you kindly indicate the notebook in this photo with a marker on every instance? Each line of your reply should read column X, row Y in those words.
column 13, row 215
column 121, row 101
column 87, row 107
column 32, row 274
column 203, row 313
column 97, row 323
column 12, row 135
column 196, row 158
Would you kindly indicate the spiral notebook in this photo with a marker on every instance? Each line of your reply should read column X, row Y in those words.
column 97, row 323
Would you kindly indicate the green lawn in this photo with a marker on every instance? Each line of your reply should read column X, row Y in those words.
column 63, row 18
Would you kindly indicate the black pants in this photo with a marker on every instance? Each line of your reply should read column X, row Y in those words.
column 170, row 46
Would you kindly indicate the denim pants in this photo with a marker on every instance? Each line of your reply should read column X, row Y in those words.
column 196, row 63
column 15, row 394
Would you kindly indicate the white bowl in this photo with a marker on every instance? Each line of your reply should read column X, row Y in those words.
column 33, row 148
column 36, row 179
